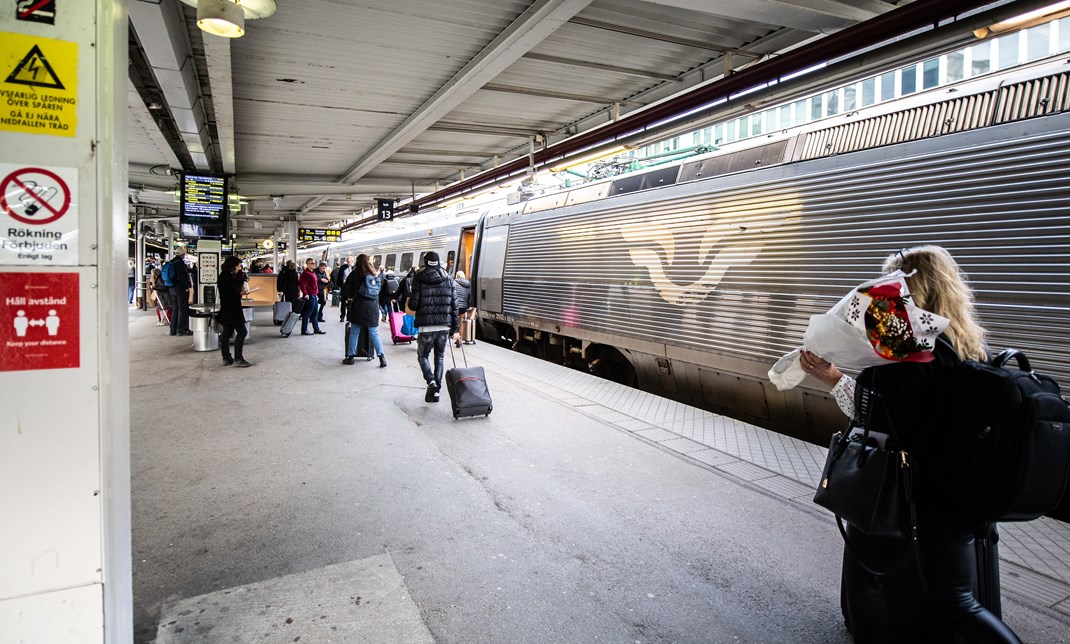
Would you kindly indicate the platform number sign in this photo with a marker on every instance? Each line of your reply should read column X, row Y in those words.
column 385, row 207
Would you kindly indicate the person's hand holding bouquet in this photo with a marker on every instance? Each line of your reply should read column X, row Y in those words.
column 875, row 323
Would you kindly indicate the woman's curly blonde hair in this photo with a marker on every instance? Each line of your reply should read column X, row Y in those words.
column 939, row 286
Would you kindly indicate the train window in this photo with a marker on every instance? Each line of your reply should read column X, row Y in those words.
column 908, row 78
column 1008, row 50
column 1038, row 42
column 377, row 261
column 756, row 125
column 930, row 73
column 800, row 112
column 406, row 262
column 450, row 257
column 956, row 66
column 718, row 134
column 391, row 262
column 981, row 59
column 832, row 103
column 785, row 117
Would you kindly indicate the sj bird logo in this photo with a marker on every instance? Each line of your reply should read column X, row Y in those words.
column 707, row 246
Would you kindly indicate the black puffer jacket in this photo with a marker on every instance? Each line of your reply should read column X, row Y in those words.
column 463, row 289
column 433, row 299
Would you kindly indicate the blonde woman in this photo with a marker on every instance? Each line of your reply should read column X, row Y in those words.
column 919, row 415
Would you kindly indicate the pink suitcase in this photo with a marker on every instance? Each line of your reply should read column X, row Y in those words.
column 397, row 318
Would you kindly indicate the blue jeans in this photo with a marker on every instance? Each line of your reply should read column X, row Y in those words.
column 424, row 343
column 354, row 335
column 309, row 313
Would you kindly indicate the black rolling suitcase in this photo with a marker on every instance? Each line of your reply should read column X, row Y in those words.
column 365, row 350
column 467, row 387
column 882, row 597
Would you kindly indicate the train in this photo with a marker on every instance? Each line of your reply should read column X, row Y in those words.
column 690, row 280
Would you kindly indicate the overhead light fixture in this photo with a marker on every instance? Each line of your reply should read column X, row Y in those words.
column 227, row 18
column 1029, row 19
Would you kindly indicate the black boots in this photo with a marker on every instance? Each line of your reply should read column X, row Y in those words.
column 382, row 360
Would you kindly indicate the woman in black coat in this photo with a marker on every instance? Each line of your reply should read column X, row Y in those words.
column 286, row 283
column 362, row 291
column 230, row 316
column 914, row 396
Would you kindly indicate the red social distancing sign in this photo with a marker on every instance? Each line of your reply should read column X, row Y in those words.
column 39, row 321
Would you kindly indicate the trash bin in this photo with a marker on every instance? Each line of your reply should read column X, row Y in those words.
column 205, row 335
column 247, row 311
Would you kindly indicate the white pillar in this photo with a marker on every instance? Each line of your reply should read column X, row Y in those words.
column 65, row 572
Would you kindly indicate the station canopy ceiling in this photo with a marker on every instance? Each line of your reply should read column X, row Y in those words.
column 327, row 105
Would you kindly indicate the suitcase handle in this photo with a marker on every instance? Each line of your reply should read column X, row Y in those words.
column 453, row 356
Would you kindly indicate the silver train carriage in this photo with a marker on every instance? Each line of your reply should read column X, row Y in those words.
column 690, row 281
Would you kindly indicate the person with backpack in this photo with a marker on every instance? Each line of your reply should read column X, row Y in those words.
column 176, row 276
column 362, row 290
column 435, row 303
column 405, row 289
column 917, row 397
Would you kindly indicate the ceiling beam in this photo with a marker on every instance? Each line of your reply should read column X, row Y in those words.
column 482, row 156
column 561, row 60
column 807, row 15
column 484, row 128
column 653, row 35
column 546, row 93
column 540, row 20
column 221, row 80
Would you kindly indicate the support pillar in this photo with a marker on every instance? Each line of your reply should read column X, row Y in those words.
column 65, row 573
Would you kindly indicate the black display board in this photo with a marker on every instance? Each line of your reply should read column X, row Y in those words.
column 385, row 208
column 318, row 235
column 204, row 210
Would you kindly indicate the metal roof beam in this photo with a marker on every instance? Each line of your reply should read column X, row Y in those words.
column 484, row 128
column 653, row 35
column 547, row 93
column 221, row 80
column 808, row 15
column 561, row 60
column 541, row 19
column 482, row 156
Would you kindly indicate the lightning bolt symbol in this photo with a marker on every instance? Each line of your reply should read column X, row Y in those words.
column 33, row 67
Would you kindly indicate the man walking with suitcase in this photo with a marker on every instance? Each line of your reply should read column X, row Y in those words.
column 435, row 305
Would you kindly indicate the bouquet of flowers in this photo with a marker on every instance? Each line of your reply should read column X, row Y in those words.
column 875, row 323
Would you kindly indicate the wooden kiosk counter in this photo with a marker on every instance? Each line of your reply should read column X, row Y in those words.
column 264, row 293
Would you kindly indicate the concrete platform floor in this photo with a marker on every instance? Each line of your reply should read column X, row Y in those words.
column 305, row 500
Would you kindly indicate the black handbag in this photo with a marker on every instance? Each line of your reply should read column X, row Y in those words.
column 866, row 480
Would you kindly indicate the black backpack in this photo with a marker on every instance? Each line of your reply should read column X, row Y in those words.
column 1010, row 457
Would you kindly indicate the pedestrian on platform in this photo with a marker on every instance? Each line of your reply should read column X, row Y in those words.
column 131, row 281
column 323, row 281
column 162, row 296
column 181, row 283
column 287, row 283
column 462, row 288
column 911, row 393
column 231, row 284
column 341, row 276
column 387, row 293
column 435, row 305
column 309, row 285
column 405, row 289
column 362, row 291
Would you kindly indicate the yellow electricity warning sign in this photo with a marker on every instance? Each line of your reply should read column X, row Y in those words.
column 38, row 85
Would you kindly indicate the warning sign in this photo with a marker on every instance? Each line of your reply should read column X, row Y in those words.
column 39, row 321
column 38, row 215
column 36, row 11
column 39, row 93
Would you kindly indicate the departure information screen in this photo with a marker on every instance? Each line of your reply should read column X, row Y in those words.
column 318, row 235
column 203, row 206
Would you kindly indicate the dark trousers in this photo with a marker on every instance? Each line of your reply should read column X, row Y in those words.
column 343, row 308
column 310, row 314
column 425, row 342
column 180, row 311
column 239, row 341
column 322, row 298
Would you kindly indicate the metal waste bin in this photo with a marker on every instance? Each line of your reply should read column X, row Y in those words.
column 205, row 334
column 247, row 311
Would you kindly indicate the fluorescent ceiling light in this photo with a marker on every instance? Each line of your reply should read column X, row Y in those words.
column 1026, row 20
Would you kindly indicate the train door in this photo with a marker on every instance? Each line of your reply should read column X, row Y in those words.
column 464, row 250
column 491, row 265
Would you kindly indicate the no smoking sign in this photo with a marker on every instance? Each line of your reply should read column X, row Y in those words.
column 38, row 207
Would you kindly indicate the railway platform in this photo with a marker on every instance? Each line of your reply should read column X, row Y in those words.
column 303, row 500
